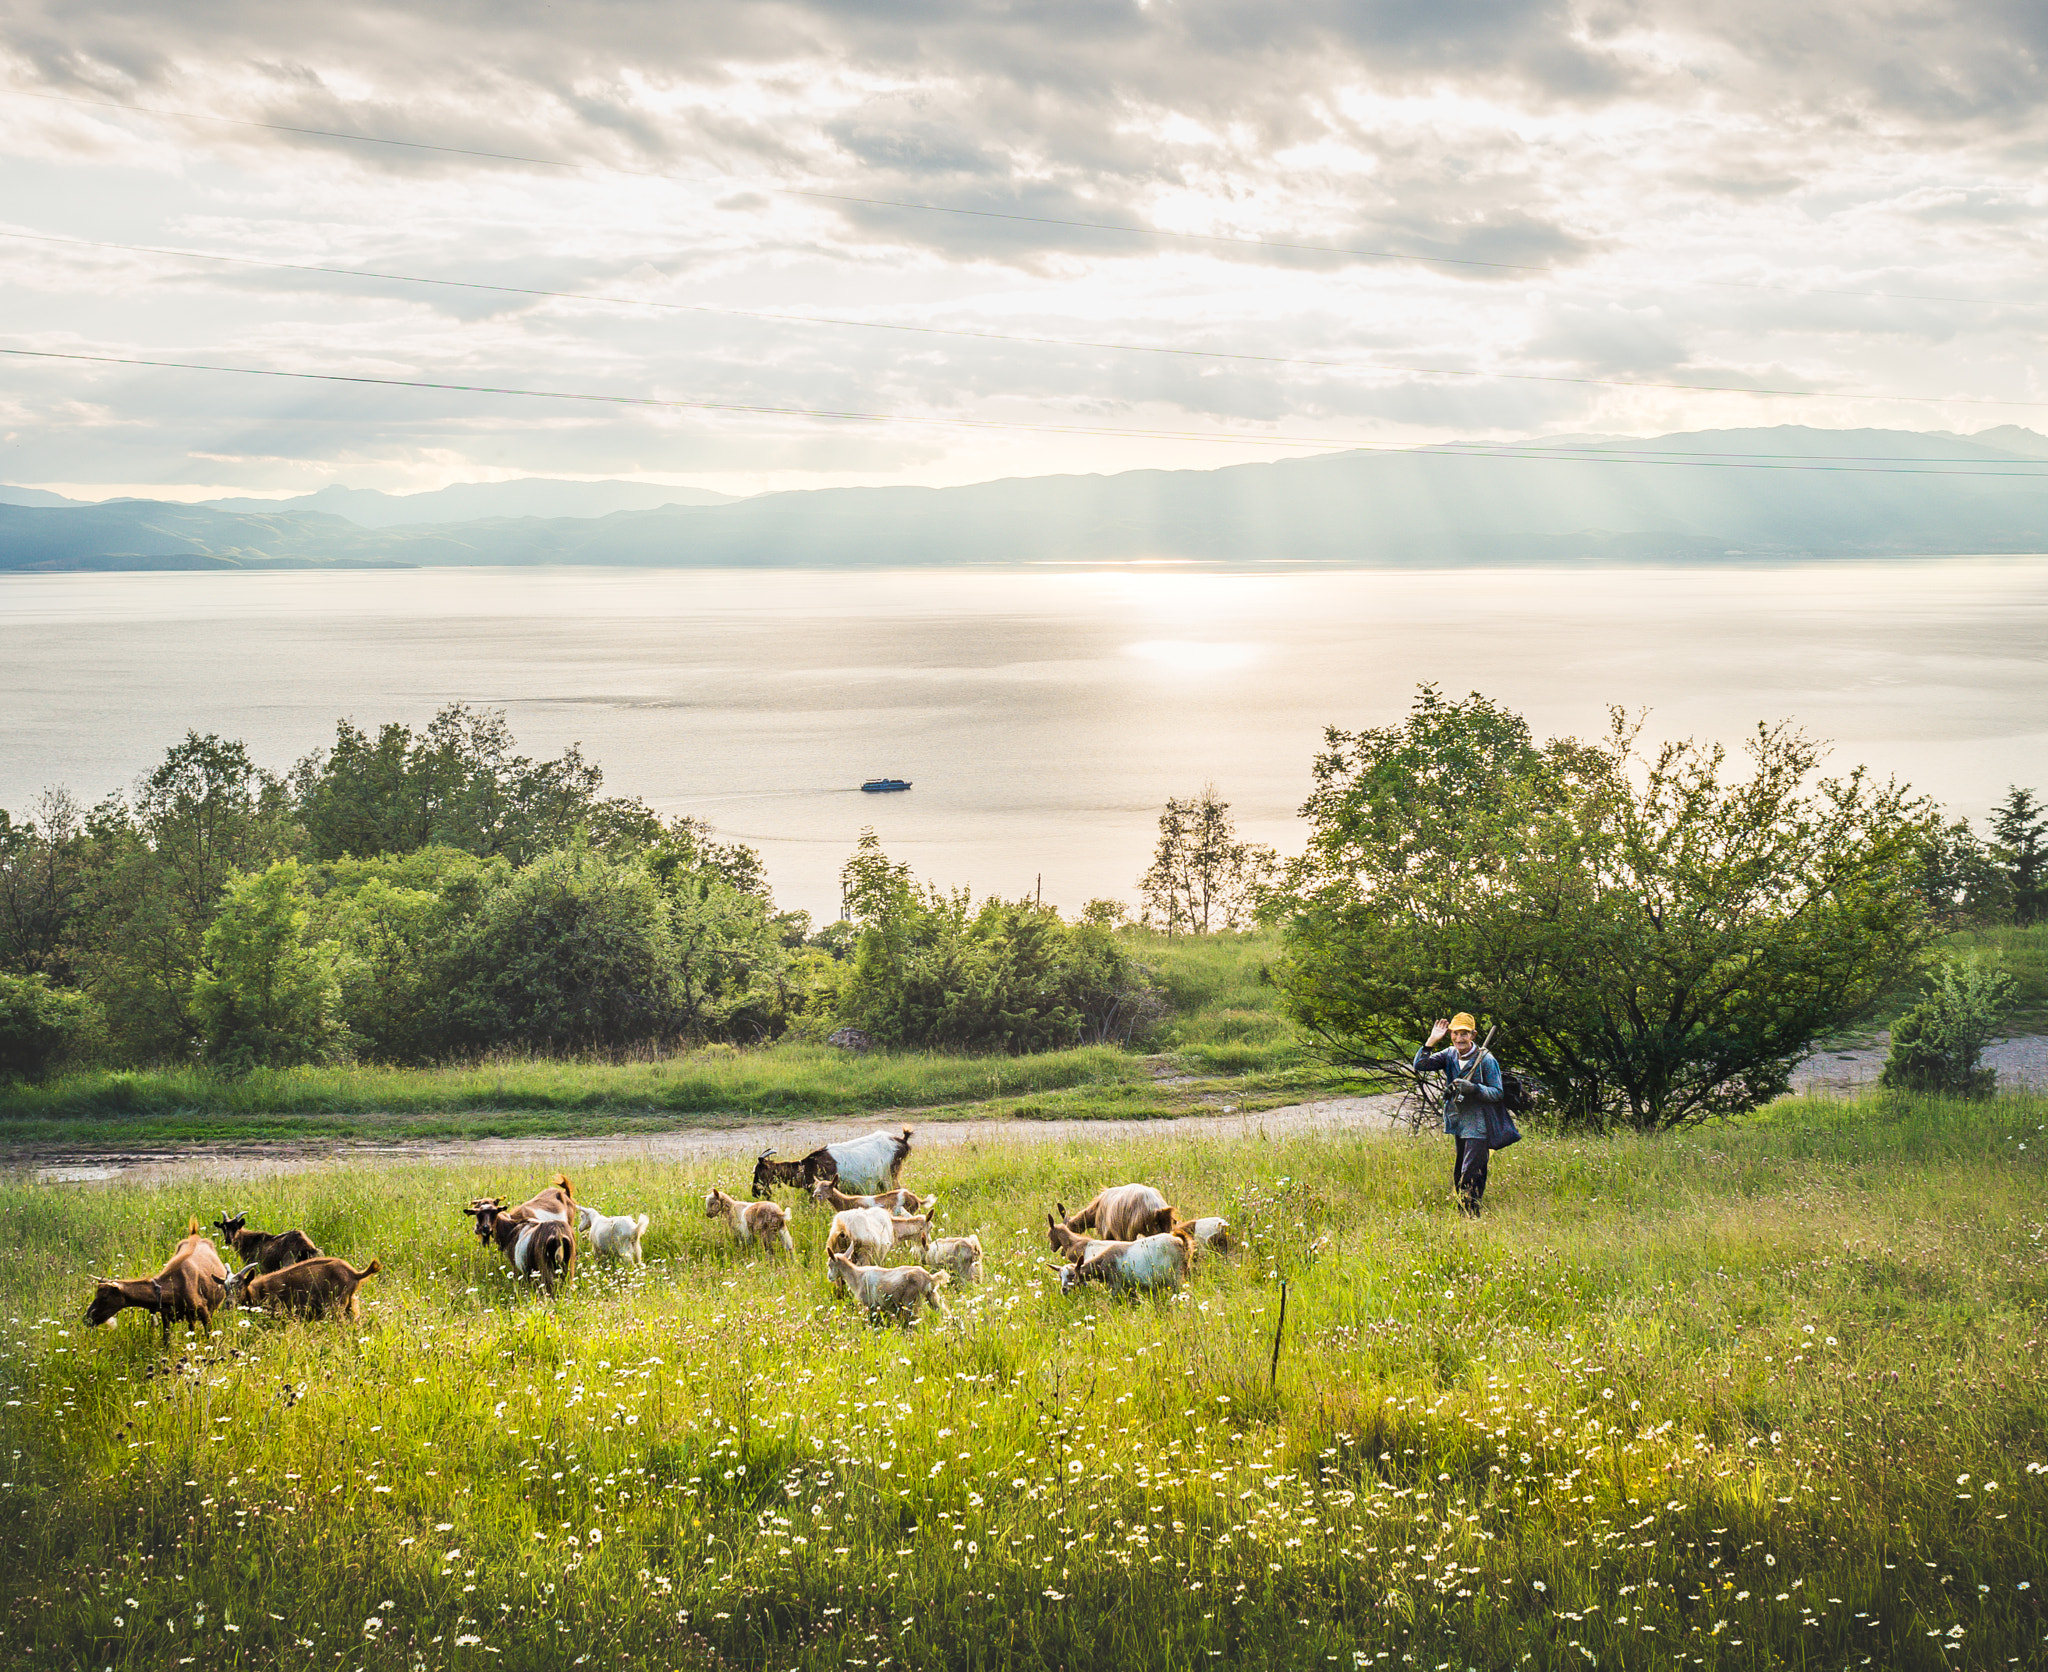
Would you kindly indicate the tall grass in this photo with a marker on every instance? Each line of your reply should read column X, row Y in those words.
column 1751, row 1397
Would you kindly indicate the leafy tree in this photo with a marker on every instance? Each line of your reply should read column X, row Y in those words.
column 2019, row 843
column 1658, row 939
column 42, row 1026
column 1959, row 876
column 461, row 783
column 264, row 997
column 152, row 875
column 573, row 953
column 1202, row 876
column 396, row 923
column 41, row 858
column 1937, row 1046
column 936, row 971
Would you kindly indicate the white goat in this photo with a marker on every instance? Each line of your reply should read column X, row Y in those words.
column 1154, row 1262
column 615, row 1234
column 869, row 1233
column 901, row 1290
column 959, row 1256
column 756, row 1222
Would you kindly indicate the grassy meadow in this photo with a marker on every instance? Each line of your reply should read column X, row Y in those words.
column 1763, row 1395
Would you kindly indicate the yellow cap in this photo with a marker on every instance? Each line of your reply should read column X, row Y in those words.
column 1463, row 1019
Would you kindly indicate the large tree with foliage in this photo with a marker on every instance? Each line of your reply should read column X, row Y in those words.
column 265, row 995
column 1658, row 936
column 2019, row 846
column 1202, row 876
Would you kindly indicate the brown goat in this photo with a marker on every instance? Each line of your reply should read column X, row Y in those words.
column 900, row 1291
column 558, row 1201
column 1123, row 1213
column 270, row 1252
column 1071, row 1245
column 827, row 1194
column 192, row 1283
column 310, row 1287
column 543, row 1248
column 1151, row 1262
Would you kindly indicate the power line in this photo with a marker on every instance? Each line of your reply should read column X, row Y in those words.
column 1007, row 336
column 1850, row 463
column 978, row 214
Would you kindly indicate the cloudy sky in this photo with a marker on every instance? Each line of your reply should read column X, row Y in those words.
column 1509, row 218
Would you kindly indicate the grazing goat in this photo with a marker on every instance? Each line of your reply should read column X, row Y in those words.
column 869, row 1233
column 615, row 1234
column 828, row 1195
column 1122, row 1213
column 1154, row 1262
column 192, row 1283
column 311, row 1287
column 1071, row 1245
column 557, row 1202
column 959, row 1256
column 271, row 1253
column 757, row 1222
column 871, row 1163
column 1210, row 1233
column 901, row 1290
column 543, row 1248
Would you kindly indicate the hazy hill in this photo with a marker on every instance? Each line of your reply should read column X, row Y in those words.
column 1708, row 496
column 534, row 496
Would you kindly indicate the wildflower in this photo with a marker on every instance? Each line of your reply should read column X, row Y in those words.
column 1539, row 1585
column 1962, row 1480
column 373, row 1625
column 596, row 1537
column 1770, row 1561
column 467, row 1641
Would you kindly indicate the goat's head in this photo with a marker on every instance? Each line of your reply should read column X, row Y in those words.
column 485, row 1210
column 768, row 1173
column 108, row 1297
column 714, row 1204
column 228, row 1224
column 237, row 1281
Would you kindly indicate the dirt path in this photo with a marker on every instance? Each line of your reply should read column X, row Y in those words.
column 2022, row 1064
column 737, row 1144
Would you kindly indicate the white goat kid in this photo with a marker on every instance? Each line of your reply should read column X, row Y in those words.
column 867, row 1234
column 757, row 1222
column 901, row 1290
column 959, row 1257
column 617, row 1235
column 1154, row 1262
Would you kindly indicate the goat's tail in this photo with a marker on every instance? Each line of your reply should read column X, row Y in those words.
column 561, row 1182
column 370, row 1270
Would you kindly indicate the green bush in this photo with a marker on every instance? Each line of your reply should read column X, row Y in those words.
column 41, row 1026
column 1936, row 1045
column 264, row 997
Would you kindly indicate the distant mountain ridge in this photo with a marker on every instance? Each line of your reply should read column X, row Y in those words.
column 532, row 496
column 1709, row 496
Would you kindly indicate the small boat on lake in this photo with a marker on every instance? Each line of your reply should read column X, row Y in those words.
column 879, row 786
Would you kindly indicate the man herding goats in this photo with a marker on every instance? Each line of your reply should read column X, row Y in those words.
column 1473, row 1082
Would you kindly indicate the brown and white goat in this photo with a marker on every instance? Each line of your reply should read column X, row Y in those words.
column 756, row 1222
column 542, row 1248
column 1071, row 1245
column 556, row 1202
column 192, row 1283
column 1154, row 1262
column 827, row 1194
column 1123, row 1212
column 309, row 1287
column 1210, row 1234
column 959, row 1257
column 871, row 1163
column 270, row 1251
column 899, row 1290
column 869, row 1233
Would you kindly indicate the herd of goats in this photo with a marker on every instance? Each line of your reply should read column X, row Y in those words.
column 1139, row 1243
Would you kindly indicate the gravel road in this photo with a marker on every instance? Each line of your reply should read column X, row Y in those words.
column 2022, row 1064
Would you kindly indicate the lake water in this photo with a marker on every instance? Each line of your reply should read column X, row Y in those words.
column 1043, row 716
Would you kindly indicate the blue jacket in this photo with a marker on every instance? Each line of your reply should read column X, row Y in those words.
column 1466, row 1118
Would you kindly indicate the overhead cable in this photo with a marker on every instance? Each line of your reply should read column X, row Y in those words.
column 1125, row 227
column 1005, row 336
column 1850, row 463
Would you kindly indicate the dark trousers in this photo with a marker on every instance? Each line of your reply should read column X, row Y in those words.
column 1468, row 1172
